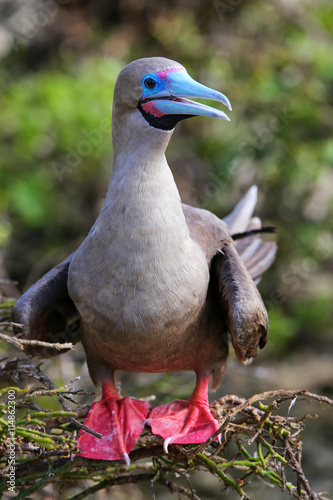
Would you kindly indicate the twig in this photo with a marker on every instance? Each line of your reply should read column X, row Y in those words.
column 112, row 482
column 295, row 464
column 4, row 281
column 177, row 488
column 202, row 446
column 48, row 478
column 282, row 395
column 228, row 481
column 21, row 343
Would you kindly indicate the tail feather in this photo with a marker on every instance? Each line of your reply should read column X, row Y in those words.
column 239, row 218
column 262, row 260
column 258, row 255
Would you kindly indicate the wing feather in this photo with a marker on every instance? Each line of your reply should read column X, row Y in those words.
column 47, row 313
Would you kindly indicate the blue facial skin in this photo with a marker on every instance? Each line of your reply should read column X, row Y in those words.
column 160, row 85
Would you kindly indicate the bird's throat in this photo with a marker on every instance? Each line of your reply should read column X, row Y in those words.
column 143, row 207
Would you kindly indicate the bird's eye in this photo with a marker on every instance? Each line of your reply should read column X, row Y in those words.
column 149, row 83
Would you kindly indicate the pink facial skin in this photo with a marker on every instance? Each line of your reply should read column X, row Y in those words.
column 149, row 107
column 163, row 74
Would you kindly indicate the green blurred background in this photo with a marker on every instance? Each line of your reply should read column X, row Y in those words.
column 58, row 64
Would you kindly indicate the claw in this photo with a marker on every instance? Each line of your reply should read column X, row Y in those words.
column 127, row 460
column 166, row 444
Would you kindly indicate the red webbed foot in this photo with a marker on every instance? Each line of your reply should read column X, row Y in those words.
column 119, row 420
column 185, row 422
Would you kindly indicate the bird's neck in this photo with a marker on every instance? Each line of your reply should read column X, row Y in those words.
column 135, row 142
column 143, row 198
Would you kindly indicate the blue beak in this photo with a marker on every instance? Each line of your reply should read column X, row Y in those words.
column 164, row 93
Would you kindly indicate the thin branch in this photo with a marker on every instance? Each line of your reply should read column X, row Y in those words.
column 177, row 488
column 21, row 343
column 295, row 464
column 130, row 479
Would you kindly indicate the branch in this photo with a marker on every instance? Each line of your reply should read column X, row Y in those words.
column 295, row 464
column 21, row 343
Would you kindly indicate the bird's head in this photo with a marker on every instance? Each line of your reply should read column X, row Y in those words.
column 160, row 90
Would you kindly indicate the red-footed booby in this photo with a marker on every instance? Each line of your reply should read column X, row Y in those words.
column 156, row 285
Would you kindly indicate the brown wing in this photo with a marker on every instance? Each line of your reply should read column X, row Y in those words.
column 234, row 267
column 47, row 313
column 244, row 310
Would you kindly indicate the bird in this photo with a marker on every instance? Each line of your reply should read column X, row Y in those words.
column 157, row 285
